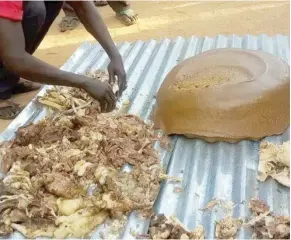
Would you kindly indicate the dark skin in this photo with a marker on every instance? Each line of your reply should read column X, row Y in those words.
column 17, row 60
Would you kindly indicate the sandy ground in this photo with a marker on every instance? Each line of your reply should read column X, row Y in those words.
column 170, row 19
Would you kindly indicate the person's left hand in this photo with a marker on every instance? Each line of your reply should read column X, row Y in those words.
column 116, row 68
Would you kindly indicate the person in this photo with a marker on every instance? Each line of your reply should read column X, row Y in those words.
column 23, row 25
column 122, row 9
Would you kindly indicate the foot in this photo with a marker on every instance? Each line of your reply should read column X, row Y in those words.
column 100, row 3
column 69, row 23
column 9, row 109
column 25, row 86
column 127, row 17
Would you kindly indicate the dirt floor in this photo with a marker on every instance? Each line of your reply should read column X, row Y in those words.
column 170, row 19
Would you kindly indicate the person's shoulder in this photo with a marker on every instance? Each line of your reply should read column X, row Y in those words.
column 12, row 10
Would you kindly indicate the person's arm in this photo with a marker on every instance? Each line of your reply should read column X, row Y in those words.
column 17, row 60
column 93, row 22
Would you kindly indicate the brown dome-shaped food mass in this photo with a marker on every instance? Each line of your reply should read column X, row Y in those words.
column 225, row 95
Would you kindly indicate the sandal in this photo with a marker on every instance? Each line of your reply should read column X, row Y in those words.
column 127, row 17
column 10, row 110
column 69, row 23
column 100, row 3
column 24, row 86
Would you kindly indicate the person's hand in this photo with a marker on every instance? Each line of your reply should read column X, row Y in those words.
column 102, row 92
column 115, row 68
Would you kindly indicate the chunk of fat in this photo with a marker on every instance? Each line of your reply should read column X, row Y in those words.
column 79, row 224
column 69, row 206
column 81, row 166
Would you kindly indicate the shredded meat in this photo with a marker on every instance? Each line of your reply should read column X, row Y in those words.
column 258, row 206
column 265, row 224
column 162, row 227
column 51, row 166
column 76, row 100
column 60, row 185
column 274, row 162
column 227, row 228
column 17, row 216
column 127, row 191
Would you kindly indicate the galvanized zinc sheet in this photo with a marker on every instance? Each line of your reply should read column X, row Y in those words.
column 221, row 170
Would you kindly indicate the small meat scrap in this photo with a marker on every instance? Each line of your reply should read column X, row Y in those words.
column 165, row 142
column 227, row 228
column 170, row 178
column 221, row 206
column 258, row 206
column 142, row 236
column 274, row 162
column 210, row 204
column 162, row 227
column 178, row 189
column 265, row 225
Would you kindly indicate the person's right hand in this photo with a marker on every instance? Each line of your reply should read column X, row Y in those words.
column 101, row 92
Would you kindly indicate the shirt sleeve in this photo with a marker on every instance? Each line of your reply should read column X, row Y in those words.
column 12, row 10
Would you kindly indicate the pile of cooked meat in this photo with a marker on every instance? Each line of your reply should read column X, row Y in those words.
column 64, row 175
column 275, row 162
column 267, row 225
column 76, row 100
column 227, row 227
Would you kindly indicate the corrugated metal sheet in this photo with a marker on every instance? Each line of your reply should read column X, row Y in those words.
column 221, row 170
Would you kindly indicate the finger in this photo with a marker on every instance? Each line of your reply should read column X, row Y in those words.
column 117, row 94
column 111, row 95
column 135, row 17
column 109, row 98
column 122, row 83
column 106, row 107
column 110, row 103
column 111, row 76
column 103, row 105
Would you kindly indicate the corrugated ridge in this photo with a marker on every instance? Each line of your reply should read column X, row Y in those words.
column 220, row 170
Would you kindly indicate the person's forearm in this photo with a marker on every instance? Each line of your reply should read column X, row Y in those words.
column 95, row 25
column 29, row 67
